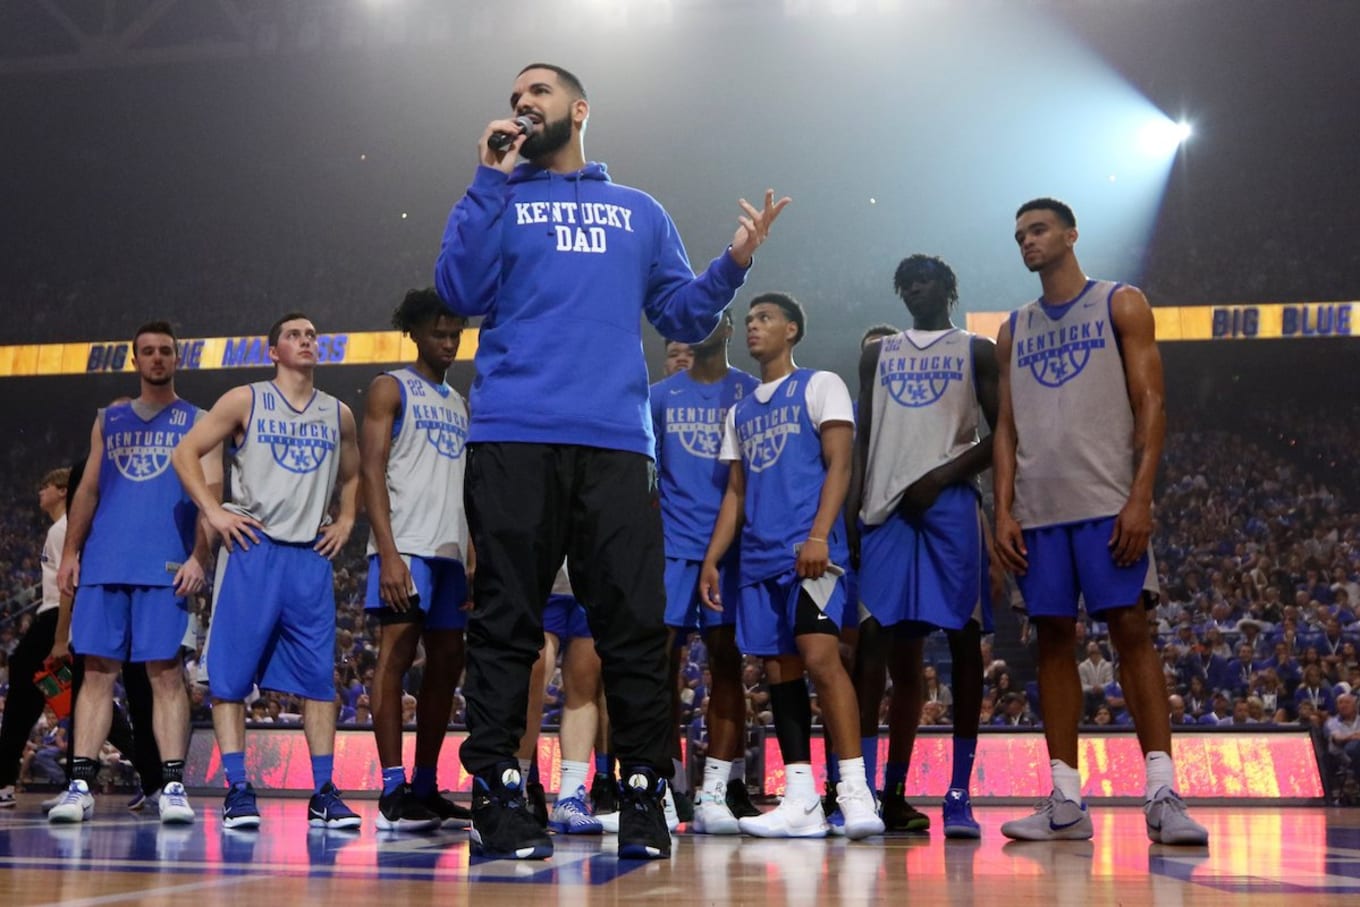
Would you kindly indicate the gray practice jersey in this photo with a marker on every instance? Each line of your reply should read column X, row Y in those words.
column 425, row 469
column 283, row 471
column 925, row 413
column 1073, row 419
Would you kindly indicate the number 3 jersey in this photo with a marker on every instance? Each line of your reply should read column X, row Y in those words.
column 143, row 525
column 283, row 471
column 425, row 468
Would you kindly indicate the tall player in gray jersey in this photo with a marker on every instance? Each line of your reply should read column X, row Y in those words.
column 923, row 562
column 274, row 619
column 412, row 462
column 133, row 550
column 1077, row 443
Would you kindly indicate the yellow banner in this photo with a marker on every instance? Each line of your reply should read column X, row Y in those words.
column 1269, row 321
column 357, row 348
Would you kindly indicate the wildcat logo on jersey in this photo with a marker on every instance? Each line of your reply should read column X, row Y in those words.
column 764, row 435
column 697, row 428
column 141, row 455
column 915, row 380
column 445, row 429
column 1057, row 356
column 299, row 447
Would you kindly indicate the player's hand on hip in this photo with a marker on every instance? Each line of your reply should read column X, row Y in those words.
column 504, row 161
column 236, row 530
column 1009, row 545
column 709, row 585
column 331, row 538
column 68, row 576
column 753, row 227
column 394, row 582
column 1132, row 530
column 189, row 578
column 813, row 556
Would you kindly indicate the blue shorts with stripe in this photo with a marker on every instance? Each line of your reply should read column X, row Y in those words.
column 931, row 568
column 684, row 610
column 767, row 614
column 128, row 623
column 1073, row 561
column 273, row 623
column 565, row 618
column 440, row 583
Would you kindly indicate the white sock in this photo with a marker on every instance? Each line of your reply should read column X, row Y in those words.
column 738, row 772
column 1161, row 772
column 1066, row 780
column 524, row 769
column 572, row 778
column 852, row 774
column 716, row 772
column 798, row 785
column 680, row 780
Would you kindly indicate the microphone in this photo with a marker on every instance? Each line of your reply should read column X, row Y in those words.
column 500, row 141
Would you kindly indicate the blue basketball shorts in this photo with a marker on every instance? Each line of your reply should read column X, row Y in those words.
column 273, row 623
column 769, row 618
column 565, row 618
column 128, row 623
column 929, row 569
column 1073, row 561
column 440, row 584
column 684, row 610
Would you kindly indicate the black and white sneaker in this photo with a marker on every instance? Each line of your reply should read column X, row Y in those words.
column 502, row 827
column 643, row 834
column 450, row 814
column 401, row 811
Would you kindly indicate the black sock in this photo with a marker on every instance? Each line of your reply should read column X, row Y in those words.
column 172, row 770
column 83, row 769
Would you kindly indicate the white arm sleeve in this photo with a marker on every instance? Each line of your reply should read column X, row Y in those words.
column 730, row 450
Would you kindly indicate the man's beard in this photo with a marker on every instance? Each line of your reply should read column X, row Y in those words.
column 161, row 381
column 547, row 139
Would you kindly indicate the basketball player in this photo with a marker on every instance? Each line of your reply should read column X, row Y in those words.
column 24, row 702
column 923, row 563
column 560, row 259
column 133, row 547
column 689, row 410
column 412, row 463
column 1077, row 444
column 789, row 446
column 274, row 619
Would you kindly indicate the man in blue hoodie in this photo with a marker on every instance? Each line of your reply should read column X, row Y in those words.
column 558, row 259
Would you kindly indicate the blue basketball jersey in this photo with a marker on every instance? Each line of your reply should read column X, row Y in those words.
column 781, row 454
column 687, row 420
column 143, row 526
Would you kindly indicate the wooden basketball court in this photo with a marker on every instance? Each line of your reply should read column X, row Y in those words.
column 1257, row 855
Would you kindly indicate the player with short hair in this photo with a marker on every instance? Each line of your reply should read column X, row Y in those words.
column 134, row 548
column 1078, row 438
column 291, row 447
column 789, row 446
column 412, row 460
column 923, row 559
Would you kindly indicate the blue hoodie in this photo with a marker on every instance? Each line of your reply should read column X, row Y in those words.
column 563, row 266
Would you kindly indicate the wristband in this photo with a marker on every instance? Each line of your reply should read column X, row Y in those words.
column 813, row 538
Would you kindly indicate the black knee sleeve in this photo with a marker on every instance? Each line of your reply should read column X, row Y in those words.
column 792, row 719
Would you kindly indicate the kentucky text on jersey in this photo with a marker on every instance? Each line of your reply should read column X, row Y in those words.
column 1061, row 340
column 307, row 434
column 132, row 440
column 922, row 367
column 700, row 428
column 767, row 429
